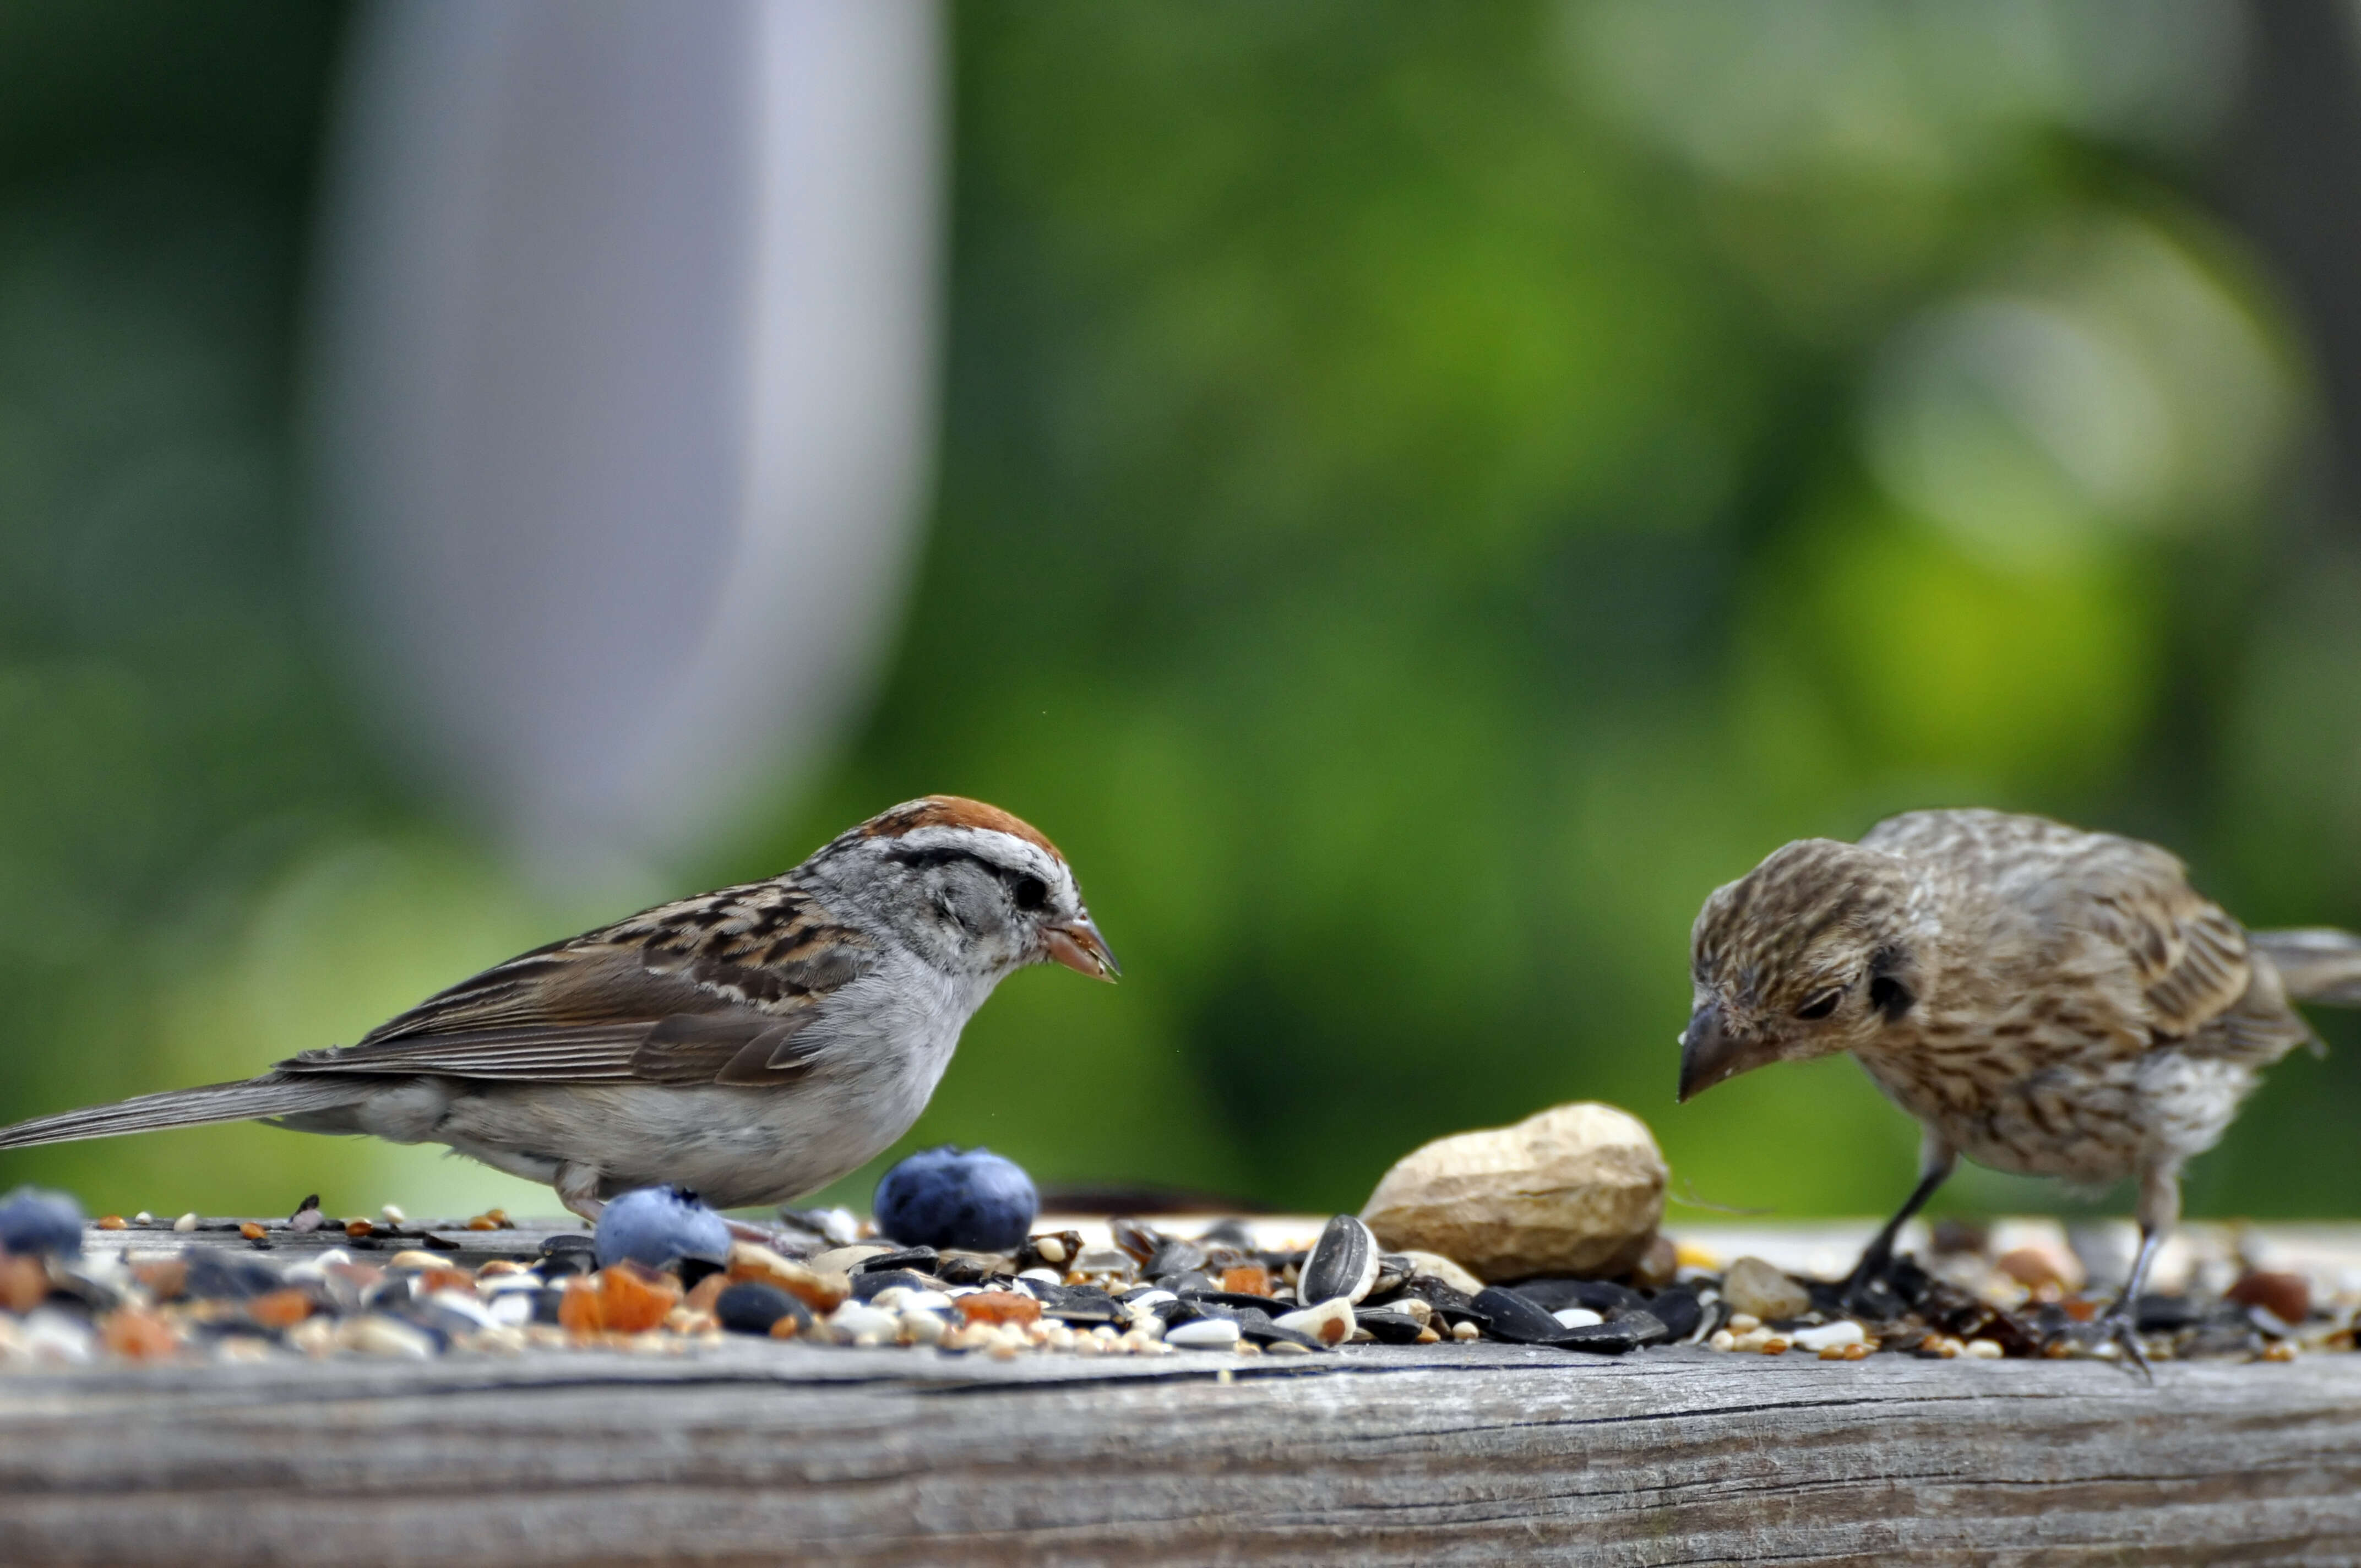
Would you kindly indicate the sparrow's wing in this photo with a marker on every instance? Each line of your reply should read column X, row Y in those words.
column 714, row 989
column 2191, row 961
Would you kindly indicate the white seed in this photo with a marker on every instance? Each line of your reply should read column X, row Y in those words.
column 377, row 1335
column 1743, row 1322
column 143, row 1218
column 1722, row 1340
column 51, row 1335
column 1046, row 1275
column 923, row 1328
column 186, row 1223
column 393, row 1214
column 1050, row 1248
column 1984, row 1349
column 1464, row 1331
column 1331, row 1323
column 1204, row 1333
column 1829, row 1336
column 857, row 1322
column 1578, row 1317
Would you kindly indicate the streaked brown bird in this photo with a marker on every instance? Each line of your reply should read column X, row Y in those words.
column 2043, row 1000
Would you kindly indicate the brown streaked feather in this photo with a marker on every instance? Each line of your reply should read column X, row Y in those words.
column 2190, row 957
column 711, row 990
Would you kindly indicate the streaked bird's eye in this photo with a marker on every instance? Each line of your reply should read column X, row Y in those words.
column 1029, row 891
column 1823, row 1005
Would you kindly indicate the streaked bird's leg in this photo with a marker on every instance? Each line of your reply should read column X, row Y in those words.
column 1935, row 1158
column 2159, row 1211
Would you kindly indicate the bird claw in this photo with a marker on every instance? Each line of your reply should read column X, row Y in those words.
column 2119, row 1329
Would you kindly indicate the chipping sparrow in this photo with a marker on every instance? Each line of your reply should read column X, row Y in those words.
column 754, row 1043
column 2043, row 1000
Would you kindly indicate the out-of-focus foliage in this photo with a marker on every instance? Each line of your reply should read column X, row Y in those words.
column 1427, row 493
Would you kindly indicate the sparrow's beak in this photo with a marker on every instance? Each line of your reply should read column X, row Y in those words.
column 1711, row 1053
column 1080, row 947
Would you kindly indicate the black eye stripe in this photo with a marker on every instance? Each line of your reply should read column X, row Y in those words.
column 1026, row 890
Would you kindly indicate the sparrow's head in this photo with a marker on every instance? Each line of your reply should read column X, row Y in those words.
column 976, row 891
column 1802, row 956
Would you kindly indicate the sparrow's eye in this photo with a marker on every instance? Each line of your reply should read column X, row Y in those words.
column 1823, row 1005
column 1029, row 891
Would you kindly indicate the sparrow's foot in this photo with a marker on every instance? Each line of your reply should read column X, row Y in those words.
column 1869, row 1292
column 2120, row 1328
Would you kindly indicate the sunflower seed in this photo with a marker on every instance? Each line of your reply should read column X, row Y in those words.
column 1343, row 1263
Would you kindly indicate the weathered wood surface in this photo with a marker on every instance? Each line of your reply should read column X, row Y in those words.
column 759, row 1452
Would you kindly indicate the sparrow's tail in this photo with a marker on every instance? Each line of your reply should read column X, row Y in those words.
column 2317, row 965
column 269, row 1095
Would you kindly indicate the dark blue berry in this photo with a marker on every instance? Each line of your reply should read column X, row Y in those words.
column 34, row 1222
column 657, row 1225
column 971, row 1200
column 750, row 1307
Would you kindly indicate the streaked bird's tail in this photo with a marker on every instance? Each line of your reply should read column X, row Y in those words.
column 2316, row 965
column 269, row 1095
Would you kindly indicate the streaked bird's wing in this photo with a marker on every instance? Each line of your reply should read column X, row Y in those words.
column 712, row 989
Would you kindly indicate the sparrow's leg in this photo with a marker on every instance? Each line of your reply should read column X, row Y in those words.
column 2159, row 1211
column 1935, row 1158
column 577, row 1189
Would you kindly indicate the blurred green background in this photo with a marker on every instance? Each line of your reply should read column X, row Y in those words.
column 1426, row 493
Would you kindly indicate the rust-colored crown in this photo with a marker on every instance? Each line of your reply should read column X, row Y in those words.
column 954, row 811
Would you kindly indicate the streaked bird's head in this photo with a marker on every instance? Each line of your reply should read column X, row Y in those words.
column 1806, row 955
column 973, row 889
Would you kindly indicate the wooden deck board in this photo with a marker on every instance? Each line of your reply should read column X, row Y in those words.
column 750, row 1450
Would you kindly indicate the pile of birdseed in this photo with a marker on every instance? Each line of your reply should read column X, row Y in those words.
column 196, row 1289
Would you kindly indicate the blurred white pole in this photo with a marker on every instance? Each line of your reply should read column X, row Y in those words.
column 624, row 383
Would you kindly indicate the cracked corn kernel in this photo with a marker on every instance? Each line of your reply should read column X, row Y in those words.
column 279, row 1308
column 251, row 1231
column 137, row 1335
column 998, row 1307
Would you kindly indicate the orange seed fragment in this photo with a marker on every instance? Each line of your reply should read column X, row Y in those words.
column 24, row 1283
column 279, row 1308
column 998, row 1307
column 633, row 1298
column 140, row 1336
column 1253, row 1279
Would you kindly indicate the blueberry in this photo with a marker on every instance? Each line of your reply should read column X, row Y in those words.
column 974, row 1201
column 750, row 1307
column 655, row 1225
column 32, row 1221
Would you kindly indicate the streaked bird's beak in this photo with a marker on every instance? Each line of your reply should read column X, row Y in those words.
column 1080, row 947
column 1709, row 1052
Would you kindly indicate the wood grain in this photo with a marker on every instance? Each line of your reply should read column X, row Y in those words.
column 761, row 1453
